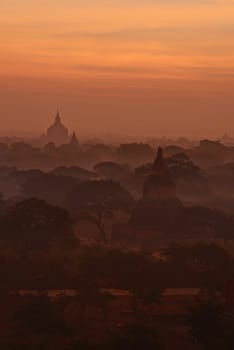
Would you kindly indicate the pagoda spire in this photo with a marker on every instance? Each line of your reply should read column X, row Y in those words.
column 159, row 162
column 58, row 118
column 74, row 140
column 159, row 184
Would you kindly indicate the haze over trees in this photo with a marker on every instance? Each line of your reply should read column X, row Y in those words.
column 94, row 243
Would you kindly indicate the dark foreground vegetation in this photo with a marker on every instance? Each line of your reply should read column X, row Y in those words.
column 114, row 257
column 102, row 298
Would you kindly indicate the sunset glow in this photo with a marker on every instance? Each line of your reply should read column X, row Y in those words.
column 151, row 51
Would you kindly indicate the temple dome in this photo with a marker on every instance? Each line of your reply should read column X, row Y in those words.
column 57, row 132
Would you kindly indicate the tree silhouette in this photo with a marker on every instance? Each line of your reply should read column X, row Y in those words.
column 96, row 213
column 91, row 192
column 34, row 224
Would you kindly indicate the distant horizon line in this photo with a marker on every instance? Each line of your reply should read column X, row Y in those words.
column 23, row 134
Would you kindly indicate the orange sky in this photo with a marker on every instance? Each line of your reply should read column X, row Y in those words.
column 121, row 66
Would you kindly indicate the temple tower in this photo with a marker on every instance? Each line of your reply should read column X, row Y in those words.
column 159, row 184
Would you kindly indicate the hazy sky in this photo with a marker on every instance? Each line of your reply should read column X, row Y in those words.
column 147, row 67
